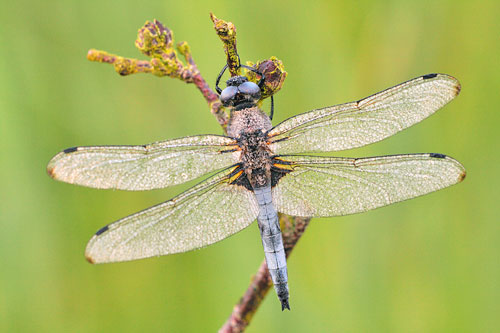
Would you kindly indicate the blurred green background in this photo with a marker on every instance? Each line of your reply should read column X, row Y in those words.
column 426, row 265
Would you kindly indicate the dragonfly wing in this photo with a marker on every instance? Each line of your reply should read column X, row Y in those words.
column 203, row 215
column 324, row 186
column 144, row 167
column 366, row 121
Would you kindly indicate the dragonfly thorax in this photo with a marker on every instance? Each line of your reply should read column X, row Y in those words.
column 256, row 158
column 249, row 126
column 247, row 120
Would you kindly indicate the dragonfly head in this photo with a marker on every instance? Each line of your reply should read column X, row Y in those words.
column 240, row 91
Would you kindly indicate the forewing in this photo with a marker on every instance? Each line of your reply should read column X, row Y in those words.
column 144, row 167
column 366, row 121
column 323, row 186
column 203, row 215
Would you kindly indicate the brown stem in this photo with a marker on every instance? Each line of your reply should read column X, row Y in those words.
column 213, row 101
column 210, row 96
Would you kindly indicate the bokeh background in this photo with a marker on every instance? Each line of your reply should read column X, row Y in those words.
column 426, row 265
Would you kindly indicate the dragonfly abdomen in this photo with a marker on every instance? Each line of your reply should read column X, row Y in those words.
column 272, row 242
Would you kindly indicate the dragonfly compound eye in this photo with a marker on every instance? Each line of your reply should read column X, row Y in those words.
column 227, row 95
column 250, row 89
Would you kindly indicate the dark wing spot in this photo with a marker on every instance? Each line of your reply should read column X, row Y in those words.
column 457, row 89
column 429, row 76
column 277, row 173
column 242, row 180
column 437, row 155
column 100, row 231
column 462, row 176
column 70, row 150
column 90, row 260
column 50, row 171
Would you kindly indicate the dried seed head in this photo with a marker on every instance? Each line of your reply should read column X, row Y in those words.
column 154, row 39
column 274, row 72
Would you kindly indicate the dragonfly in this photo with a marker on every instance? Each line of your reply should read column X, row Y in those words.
column 260, row 170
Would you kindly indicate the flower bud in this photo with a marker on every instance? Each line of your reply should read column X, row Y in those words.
column 274, row 73
column 154, row 39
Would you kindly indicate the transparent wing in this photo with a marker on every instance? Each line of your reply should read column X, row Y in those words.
column 323, row 186
column 205, row 214
column 145, row 167
column 366, row 121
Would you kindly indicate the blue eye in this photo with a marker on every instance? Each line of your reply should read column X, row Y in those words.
column 249, row 88
column 228, row 94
